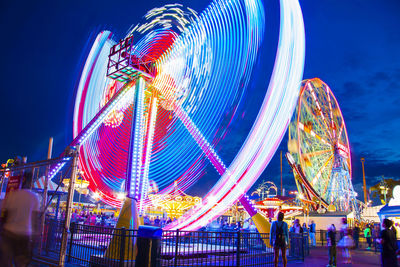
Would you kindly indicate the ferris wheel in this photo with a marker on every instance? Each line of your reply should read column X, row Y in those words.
column 155, row 105
column 319, row 148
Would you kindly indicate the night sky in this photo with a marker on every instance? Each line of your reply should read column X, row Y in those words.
column 353, row 46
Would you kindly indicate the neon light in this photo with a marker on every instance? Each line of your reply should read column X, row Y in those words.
column 198, row 73
column 136, row 176
column 269, row 127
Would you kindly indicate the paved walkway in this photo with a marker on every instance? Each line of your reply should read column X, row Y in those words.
column 319, row 257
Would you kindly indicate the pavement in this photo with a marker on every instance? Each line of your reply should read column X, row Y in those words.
column 319, row 257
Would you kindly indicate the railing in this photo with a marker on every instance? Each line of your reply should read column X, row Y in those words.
column 104, row 246
column 299, row 245
column 361, row 243
column 198, row 248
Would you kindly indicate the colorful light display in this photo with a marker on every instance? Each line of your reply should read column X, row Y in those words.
column 199, row 84
column 175, row 203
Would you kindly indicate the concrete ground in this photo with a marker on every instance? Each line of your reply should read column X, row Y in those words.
column 319, row 257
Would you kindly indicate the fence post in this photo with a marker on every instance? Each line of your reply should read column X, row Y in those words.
column 238, row 249
column 72, row 230
column 176, row 248
column 45, row 191
column 303, row 246
column 322, row 235
column 122, row 247
column 70, row 200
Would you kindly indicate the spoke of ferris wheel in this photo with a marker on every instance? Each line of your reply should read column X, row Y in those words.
column 97, row 120
column 319, row 173
column 313, row 134
column 319, row 107
column 330, row 112
column 340, row 133
column 327, row 182
column 305, row 104
column 211, row 154
column 316, row 153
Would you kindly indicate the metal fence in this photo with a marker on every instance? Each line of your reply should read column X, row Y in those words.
column 88, row 245
column 183, row 248
column 103, row 246
column 360, row 243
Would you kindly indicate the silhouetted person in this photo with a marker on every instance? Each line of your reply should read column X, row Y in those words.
column 331, row 240
column 356, row 235
column 388, row 241
column 279, row 238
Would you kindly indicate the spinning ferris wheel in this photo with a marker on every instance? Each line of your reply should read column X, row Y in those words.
column 155, row 105
column 320, row 151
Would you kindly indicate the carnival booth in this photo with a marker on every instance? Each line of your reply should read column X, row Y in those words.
column 270, row 206
column 392, row 209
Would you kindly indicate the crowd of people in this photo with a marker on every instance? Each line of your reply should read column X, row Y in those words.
column 92, row 218
column 346, row 238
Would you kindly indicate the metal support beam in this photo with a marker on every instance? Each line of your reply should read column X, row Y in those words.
column 70, row 200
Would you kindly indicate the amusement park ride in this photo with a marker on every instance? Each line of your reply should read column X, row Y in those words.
column 152, row 106
column 320, row 152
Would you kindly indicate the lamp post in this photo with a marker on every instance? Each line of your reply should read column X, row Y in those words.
column 364, row 182
column 384, row 188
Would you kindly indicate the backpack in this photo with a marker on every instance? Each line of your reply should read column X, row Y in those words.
column 279, row 236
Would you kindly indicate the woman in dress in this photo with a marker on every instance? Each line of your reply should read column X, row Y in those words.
column 346, row 242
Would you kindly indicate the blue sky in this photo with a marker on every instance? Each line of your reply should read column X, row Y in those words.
column 352, row 45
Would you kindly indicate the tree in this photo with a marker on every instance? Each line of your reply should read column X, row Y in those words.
column 378, row 190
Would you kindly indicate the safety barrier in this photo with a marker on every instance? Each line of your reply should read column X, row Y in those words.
column 103, row 246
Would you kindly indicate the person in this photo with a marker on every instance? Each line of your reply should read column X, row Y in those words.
column 346, row 242
column 367, row 235
column 98, row 220
column 252, row 227
column 157, row 221
column 296, row 228
column 356, row 235
column 312, row 230
column 375, row 232
column 305, row 229
column 331, row 242
column 74, row 217
column 279, row 238
column 387, row 239
column 92, row 219
column 20, row 229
